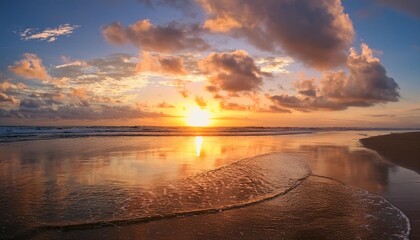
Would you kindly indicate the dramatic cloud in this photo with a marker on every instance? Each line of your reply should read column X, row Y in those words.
column 30, row 67
column 48, row 34
column 149, row 37
column 316, row 32
column 102, row 88
column 232, row 72
column 365, row 84
column 410, row 6
column 156, row 63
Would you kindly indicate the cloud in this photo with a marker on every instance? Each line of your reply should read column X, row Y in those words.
column 367, row 80
column 306, row 88
column 93, row 89
column 232, row 71
column 156, row 63
column 165, row 105
column 9, row 93
column 56, row 105
column 276, row 109
column 11, row 87
column 365, row 84
column 4, row 99
column 111, row 75
column 230, row 106
column 316, row 32
column 30, row 67
column 233, row 106
column 78, row 112
column 409, row 6
column 143, row 34
column 48, row 34
column 382, row 115
column 200, row 101
column 306, row 104
column 180, row 85
column 274, row 64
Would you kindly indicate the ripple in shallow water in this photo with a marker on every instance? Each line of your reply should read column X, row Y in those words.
column 242, row 183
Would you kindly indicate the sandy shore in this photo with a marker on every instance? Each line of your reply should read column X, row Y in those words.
column 318, row 209
column 400, row 148
column 110, row 175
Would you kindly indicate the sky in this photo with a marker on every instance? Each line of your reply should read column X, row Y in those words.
column 282, row 63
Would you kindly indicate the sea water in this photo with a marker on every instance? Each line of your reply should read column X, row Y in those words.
column 74, row 179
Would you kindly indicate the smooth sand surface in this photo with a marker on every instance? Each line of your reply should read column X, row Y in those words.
column 400, row 148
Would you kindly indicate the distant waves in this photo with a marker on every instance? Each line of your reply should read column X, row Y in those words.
column 11, row 134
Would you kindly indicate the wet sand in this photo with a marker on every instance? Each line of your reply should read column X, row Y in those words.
column 85, row 179
column 319, row 208
column 402, row 149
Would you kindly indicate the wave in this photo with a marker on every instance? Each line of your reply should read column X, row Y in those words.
column 11, row 134
column 245, row 182
column 383, row 213
column 383, row 219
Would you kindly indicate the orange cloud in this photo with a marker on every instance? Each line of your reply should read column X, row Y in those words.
column 30, row 67
column 200, row 101
column 160, row 64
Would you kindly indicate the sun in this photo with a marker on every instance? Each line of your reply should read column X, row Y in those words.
column 197, row 117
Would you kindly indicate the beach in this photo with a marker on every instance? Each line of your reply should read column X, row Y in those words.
column 305, row 185
column 402, row 149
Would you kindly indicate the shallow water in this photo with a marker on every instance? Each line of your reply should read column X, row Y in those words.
column 317, row 209
column 64, row 182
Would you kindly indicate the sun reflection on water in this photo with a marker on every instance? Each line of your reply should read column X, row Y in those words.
column 198, row 144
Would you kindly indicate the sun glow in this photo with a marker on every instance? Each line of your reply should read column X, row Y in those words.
column 197, row 117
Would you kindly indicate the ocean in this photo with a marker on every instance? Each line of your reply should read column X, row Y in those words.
column 200, row 183
column 11, row 134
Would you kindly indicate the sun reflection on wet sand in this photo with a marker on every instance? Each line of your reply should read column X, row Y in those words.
column 198, row 144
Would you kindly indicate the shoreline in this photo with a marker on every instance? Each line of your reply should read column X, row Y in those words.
column 401, row 149
column 333, row 197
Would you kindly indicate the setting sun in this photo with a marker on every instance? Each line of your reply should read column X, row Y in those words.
column 197, row 117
